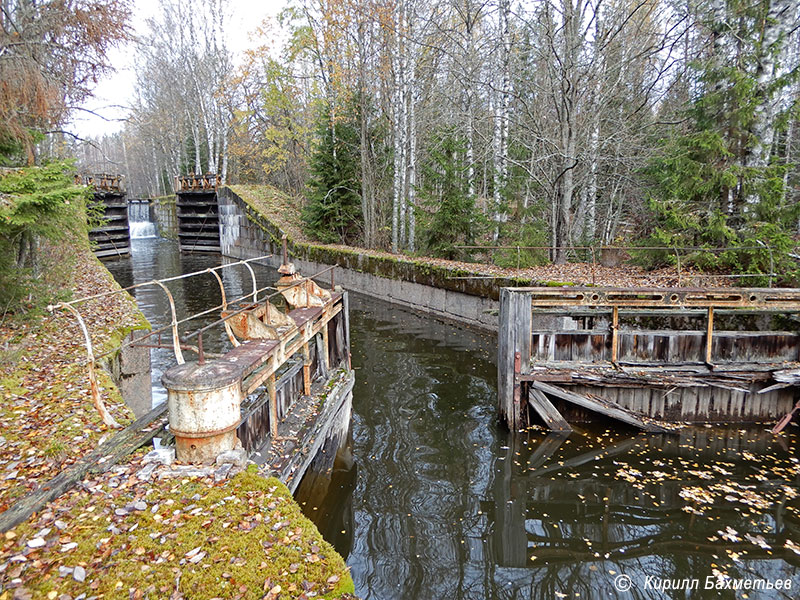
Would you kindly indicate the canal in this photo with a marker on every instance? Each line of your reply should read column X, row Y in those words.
column 431, row 498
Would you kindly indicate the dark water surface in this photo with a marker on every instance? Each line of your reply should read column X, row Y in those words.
column 431, row 499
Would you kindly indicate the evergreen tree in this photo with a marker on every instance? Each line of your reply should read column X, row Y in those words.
column 713, row 185
column 444, row 190
column 333, row 213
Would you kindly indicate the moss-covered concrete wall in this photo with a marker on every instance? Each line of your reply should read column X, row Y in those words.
column 247, row 231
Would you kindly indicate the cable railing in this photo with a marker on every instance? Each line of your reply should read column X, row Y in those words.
column 590, row 254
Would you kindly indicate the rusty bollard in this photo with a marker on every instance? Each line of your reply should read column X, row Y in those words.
column 204, row 402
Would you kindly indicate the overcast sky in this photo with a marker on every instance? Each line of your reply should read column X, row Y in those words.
column 116, row 91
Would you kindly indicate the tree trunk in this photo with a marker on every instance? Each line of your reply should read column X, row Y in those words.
column 412, row 158
column 779, row 20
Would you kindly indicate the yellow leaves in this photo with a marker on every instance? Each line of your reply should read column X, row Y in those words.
column 792, row 546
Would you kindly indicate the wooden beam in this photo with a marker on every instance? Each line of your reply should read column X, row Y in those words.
column 605, row 407
column 325, row 347
column 514, row 350
column 306, row 370
column 762, row 299
column 545, row 409
column 709, row 334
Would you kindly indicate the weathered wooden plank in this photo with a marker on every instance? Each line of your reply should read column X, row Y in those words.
column 514, row 354
column 505, row 355
column 545, row 409
column 605, row 408
column 99, row 460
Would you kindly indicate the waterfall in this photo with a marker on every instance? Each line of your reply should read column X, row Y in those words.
column 139, row 219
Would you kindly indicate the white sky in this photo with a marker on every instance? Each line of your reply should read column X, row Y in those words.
column 116, row 90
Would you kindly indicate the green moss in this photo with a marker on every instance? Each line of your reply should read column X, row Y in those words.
column 253, row 534
column 275, row 214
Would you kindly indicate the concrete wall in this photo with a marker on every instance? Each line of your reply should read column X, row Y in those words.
column 130, row 370
column 246, row 233
column 166, row 216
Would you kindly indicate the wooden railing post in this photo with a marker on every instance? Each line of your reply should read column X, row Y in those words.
column 709, row 334
column 325, row 348
column 306, row 370
column 615, row 335
column 514, row 355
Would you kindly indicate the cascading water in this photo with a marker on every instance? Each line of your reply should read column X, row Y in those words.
column 139, row 220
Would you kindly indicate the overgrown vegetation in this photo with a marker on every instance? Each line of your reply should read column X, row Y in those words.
column 37, row 204
column 453, row 219
column 333, row 213
column 718, row 187
column 188, row 538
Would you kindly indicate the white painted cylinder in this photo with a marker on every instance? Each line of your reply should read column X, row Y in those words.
column 204, row 403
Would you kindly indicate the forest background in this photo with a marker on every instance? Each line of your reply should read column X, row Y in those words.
column 424, row 127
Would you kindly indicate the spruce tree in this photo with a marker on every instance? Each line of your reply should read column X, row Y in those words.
column 444, row 190
column 333, row 213
column 708, row 191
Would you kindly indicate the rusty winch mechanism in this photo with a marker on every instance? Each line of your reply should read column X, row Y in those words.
column 264, row 320
column 205, row 398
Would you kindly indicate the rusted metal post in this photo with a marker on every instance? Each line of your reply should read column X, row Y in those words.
column 709, row 334
column 594, row 263
column 253, row 278
column 176, row 342
column 201, row 357
column 96, row 398
column 285, row 250
column 306, row 370
column 273, row 407
column 615, row 334
column 225, row 324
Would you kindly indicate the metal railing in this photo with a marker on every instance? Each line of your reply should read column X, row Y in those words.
column 178, row 344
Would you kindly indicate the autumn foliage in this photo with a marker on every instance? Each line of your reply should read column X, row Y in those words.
column 51, row 54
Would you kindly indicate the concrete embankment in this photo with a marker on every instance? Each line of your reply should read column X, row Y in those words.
column 249, row 229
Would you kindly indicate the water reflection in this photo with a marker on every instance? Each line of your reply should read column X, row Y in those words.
column 446, row 504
